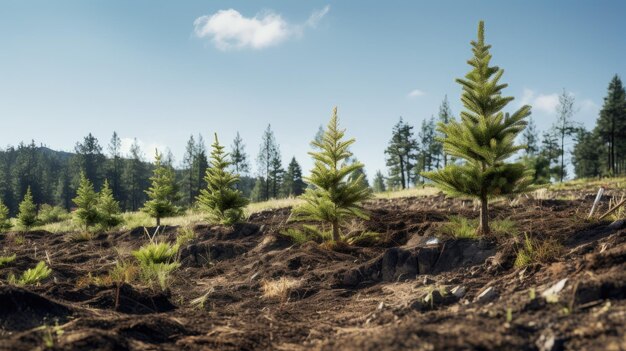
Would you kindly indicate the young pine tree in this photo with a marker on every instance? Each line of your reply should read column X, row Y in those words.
column 333, row 197
column 108, row 207
column 484, row 138
column 220, row 200
column 87, row 202
column 27, row 216
column 5, row 221
column 162, row 193
column 379, row 182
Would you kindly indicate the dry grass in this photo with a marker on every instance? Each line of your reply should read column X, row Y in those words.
column 427, row 190
column 279, row 288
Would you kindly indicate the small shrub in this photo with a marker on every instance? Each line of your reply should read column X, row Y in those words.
column 159, row 272
column 155, row 253
column 27, row 216
column 533, row 251
column 184, row 236
column 7, row 259
column 81, row 236
column 279, row 288
column 52, row 214
column 32, row 275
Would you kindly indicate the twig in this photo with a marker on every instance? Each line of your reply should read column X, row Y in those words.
column 620, row 204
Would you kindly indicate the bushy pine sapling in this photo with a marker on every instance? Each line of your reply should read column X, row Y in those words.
column 162, row 192
column 220, row 200
column 108, row 207
column 484, row 138
column 334, row 195
column 5, row 221
column 27, row 216
column 86, row 201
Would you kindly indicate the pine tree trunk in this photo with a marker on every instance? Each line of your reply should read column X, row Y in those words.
column 483, row 228
column 336, row 236
column 158, row 219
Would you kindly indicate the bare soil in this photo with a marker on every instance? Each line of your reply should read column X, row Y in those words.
column 394, row 294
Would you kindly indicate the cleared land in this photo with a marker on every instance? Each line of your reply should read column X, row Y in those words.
column 249, row 287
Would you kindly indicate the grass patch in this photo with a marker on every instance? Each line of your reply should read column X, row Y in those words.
column 7, row 259
column 464, row 228
column 184, row 236
column 533, row 251
column 156, row 261
column 426, row 190
column 32, row 275
column 279, row 288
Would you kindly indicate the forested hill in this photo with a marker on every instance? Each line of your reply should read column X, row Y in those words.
column 53, row 175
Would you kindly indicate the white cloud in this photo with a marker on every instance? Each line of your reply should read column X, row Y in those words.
column 147, row 149
column 415, row 93
column 540, row 102
column 229, row 29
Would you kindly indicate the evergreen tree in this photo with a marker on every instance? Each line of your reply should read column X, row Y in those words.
column 266, row 161
column 564, row 127
column 332, row 198
column 162, row 192
column 200, row 164
column 135, row 176
column 86, row 201
column 5, row 221
column 359, row 174
column 276, row 174
column 445, row 117
column 484, row 138
column 115, row 168
column 108, row 208
column 379, row 183
column 220, row 200
column 27, row 217
column 429, row 148
column 239, row 157
column 90, row 159
column 529, row 138
column 401, row 153
column 64, row 191
column 550, row 151
column 587, row 154
column 611, row 126
column 293, row 185
column 257, row 193
column 188, row 162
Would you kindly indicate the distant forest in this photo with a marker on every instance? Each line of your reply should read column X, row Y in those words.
column 53, row 176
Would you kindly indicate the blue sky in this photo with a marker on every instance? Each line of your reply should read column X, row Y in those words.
column 160, row 71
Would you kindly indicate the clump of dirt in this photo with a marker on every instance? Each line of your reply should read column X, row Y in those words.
column 404, row 291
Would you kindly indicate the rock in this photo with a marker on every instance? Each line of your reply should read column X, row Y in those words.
column 547, row 341
column 398, row 263
column 458, row 291
column 554, row 289
column 486, row 295
column 618, row 224
column 426, row 259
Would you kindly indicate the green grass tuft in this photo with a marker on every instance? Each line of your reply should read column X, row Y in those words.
column 7, row 259
column 32, row 275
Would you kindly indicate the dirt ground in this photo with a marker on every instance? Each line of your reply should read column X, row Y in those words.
column 400, row 293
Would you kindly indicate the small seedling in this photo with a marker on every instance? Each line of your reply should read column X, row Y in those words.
column 33, row 275
column 7, row 259
column 509, row 315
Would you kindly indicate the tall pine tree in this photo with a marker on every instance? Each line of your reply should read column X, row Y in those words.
column 484, row 138
column 445, row 117
column 564, row 127
column 611, row 126
column 239, row 157
column 293, row 185
column 401, row 153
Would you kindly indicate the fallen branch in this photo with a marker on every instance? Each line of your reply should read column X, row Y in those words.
column 620, row 204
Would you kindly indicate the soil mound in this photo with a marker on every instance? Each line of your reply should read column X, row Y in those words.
column 22, row 309
column 132, row 301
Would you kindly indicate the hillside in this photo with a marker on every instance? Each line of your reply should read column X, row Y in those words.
column 254, row 289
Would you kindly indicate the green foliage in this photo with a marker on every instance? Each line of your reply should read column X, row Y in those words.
column 184, row 236
column 378, row 185
column 533, row 251
column 461, row 227
column 27, row 217
column 7, row 259
column 155, row 252
column 87, row 201
column 293, row 185
column 158, row 272
column 611, row 127
column 108, row 208
column 401, row 154
column 5, row 221
column 220, row 200
column 365, row 238
column 587, row 155
column 163, row 192
column 333, row 197
column 52, row 214
column 32, row 275
column 484, row 138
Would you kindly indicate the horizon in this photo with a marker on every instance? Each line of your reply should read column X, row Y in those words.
column 239, row 66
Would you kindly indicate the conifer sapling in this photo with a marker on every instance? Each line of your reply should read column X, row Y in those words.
column 484, row 138
column 27, row 216
column 222, row 202
column 162, row 192
column 5, row 221
column 333, row 196
column 108, row 207
column 86, row 201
